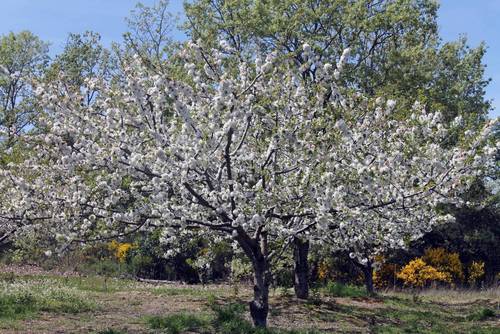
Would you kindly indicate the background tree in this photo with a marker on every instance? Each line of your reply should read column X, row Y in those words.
column 23, row 58
column 395, row 47
column 83, row 58
column 149, row 34
column 388, row 180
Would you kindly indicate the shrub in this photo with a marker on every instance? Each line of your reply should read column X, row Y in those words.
column 385, row 275
column 482, row 314
column 120, row 249
column 324, row 270
column 241, row 270
column 476, row 272
column 417, row 273
column 445, row 262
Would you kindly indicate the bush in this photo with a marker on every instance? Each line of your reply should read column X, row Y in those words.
column 385, row 276
column 445, row 262
column 121, row 250
column 476, row 272
column 417, row 273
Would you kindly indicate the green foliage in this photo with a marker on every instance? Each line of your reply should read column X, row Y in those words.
column 148, row 35
column 178, row 323
column 23, row 57
column 482, row 314
column 396, row 48
column 335, row 289
column 83, row 57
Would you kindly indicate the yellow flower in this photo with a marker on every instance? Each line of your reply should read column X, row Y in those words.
column 445, row 262
column 476, row 271
column 417, row 273
column 385, row 275
column 323, row 270
column 120, row 250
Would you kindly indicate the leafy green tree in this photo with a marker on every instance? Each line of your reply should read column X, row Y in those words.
column 149, row 34
column 83, row 58
column 23, row 58
column 395, row 47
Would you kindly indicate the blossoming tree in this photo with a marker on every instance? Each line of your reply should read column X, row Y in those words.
column 387, row 177
column 224, row 151
column 258, row 149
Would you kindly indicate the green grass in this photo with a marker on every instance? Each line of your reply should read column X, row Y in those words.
column 335, row 289
column 96, row 283
column 224, row 319
column 83, row 283
column 444, row 312
column 111, row 331
column 179, row 323
column 402, row 315
column 20, row 299
column 482, row 314
column 187, row 291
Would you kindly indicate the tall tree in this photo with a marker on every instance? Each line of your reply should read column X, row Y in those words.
column 23, row 58
column 83, row 58
column 149, row 34
column 395, row 47
column 396, row 50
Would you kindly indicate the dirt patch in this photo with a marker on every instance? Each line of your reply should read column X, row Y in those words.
column 366, row 303
column 32, row 270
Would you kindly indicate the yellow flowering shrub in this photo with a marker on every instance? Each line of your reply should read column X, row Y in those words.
column 385, row 275
column 324, row 270
column 120, row 249
column 417, row 273
column 476, row 272
column 445, row 262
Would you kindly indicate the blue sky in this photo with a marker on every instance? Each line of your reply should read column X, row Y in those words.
column 52, row 20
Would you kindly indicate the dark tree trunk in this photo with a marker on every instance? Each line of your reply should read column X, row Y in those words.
column 368, row 273
column 257, row 251
column 259, row 306
column 301, row 281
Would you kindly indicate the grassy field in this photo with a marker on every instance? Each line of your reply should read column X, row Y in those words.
column 55, row 304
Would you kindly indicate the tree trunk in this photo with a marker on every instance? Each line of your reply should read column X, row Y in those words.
column 301, row 282
column 368, row 273
column 257, row 251
column 259, row 306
